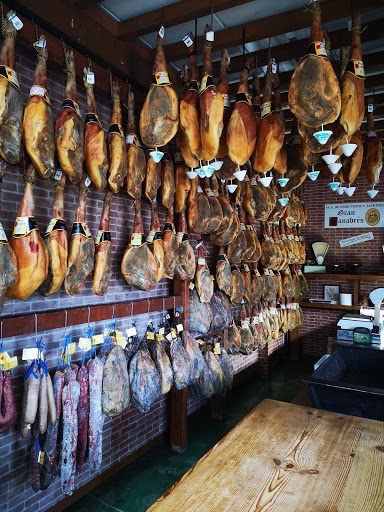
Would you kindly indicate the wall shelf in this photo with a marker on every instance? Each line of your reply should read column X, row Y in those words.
column 346, row 277
column 317, row 305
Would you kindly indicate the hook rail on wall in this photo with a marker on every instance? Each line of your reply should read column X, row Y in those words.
column 26, row 324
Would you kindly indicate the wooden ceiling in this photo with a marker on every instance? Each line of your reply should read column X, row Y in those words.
column 114, row 46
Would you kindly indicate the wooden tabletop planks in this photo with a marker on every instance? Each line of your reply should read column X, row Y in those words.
column 287, row 458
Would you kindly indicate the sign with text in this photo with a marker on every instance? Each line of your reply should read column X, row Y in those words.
column 354, row 215
column 356, row 239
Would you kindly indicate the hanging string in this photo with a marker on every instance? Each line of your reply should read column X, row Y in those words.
column 243, row 47
column 195, row 39
column 269, row 49
column 66, row 59
column 36, row 31
column 162, row 21
column 90, row 65
column 211, row 14
column 36, row 327
column 111, row 84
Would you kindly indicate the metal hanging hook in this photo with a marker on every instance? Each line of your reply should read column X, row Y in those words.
column 113, row 312
column 1, row 336
column 131, row 309
column 89, row 314
column 174, row 304
column 149, row 303
column 65, row 325
column 35, row 327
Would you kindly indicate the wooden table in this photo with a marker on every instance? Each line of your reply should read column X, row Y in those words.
column 287, row 458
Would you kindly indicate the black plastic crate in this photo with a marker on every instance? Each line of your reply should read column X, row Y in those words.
column 350, row 381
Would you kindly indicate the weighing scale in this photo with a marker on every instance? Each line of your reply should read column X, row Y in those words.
column 320, row 249
column 352, row 325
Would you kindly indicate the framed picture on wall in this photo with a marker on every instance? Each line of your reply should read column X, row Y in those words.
column 331, row 292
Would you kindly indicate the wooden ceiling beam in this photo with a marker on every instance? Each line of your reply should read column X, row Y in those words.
column 174, row 14
column 296, row 49
column 278, row 24
column 68, row 22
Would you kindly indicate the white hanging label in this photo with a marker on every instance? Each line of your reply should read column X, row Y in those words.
column 90, row 78
column 161, row 31
column 210, row 36
column 201, row 261
column 41, row 43
column 187, row 41
column 3, row 236
column 16, row 22
column 370, row 107
column 131, row 332
column 29, row 354
column 58, row 174
column 274, row 68
column 129, row 139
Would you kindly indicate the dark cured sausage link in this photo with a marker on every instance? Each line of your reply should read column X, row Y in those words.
column 83, row 416
column 71, row 393
column 8, row 405
column 35, row 468
column 52, row 433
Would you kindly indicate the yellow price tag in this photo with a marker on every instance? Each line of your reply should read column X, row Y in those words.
column 40, row 458
column 72, row 348
column 150, row 335
column 98, row 339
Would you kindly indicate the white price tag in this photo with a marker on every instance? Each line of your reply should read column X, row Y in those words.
column 85, row 343
column 161, row 31
column 16, row 22
column 370, row 107
column 88, row 181
column 187, row 41
column 58, row 174
column 217, row 349
column 162, row 331
column 129, row 139
column 29, row 354
column 201, row 261
column 274, row 67
column 179, row 327
column 210, row 36
column 41, row 43
column 3, row 236
column 170, row 336
column 191, row 286
column 90, row 78
column 36, row 90
column 131, row 332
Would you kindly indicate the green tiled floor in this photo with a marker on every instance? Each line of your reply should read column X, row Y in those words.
column 136, row 487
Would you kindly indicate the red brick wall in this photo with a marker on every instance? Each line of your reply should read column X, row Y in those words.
column 319, row 325
column 126, row 433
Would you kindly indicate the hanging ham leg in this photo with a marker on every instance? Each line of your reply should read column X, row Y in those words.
column 224, row 204
column 352, row 85
column 373, row 150
column 352, row 164
column 135, row 154
column 11, row 103
column 96, row 161
column 182, row 183
column 167, row 189
column 203, row 278
column 241, row 135
column 69, row 128
column 223, row 272
column 118, row 164
column 81, row 248
column 38, row 129
column 271, row 130
column 314, row 92
column 223, row 87
column 181, row 139
column 186, row 265
column 8, row 261
column 211, row 107
column 139, row 266
column 159, row 118
column 190, row 109
column 198, row 209
column 153, row 178
column 56, row 240
column 155, row 242
column 28, row 246
column 171, row 246
column 102, row 272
